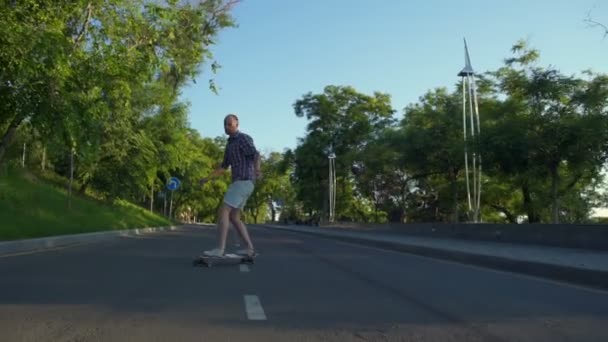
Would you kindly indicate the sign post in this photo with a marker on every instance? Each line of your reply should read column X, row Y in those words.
column 172, row 185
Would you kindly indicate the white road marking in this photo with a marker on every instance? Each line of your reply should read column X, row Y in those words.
column 254, row 309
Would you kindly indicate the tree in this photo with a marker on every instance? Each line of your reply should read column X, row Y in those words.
column 341, row 119
column 433, row 142
column 71, row 68
column 553, row 128
column 384, row 177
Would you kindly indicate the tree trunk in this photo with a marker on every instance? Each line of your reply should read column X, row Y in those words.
column 83, row 187
column 43, row 162
column 252, row 213
column 171, row 206
column 325, row 205
column 9, row 135
column 376, row 220
column 528, row 205
column 71, row 178
column 554, row 194
column 454, row 188
column 151, row 199
column 23, row 155
column 403, row 203
column 343, row 195
column 272, row 210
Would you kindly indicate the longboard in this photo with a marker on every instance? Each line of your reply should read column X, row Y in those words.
column 209, row 261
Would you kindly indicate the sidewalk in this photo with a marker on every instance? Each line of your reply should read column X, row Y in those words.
column 16, row 247
column 585, row 267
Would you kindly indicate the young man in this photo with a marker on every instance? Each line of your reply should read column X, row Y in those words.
column 244, row 161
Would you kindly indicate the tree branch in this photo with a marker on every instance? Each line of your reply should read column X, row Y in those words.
column 570, row 185
column 137, row 44
column 85, row 25
column 214, row 15
column 593, row 24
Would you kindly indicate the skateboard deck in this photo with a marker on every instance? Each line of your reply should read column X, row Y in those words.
column 209, row 261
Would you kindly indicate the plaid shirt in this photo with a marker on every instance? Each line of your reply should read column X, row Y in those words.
column 240, row 157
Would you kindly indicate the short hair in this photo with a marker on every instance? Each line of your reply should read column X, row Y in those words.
column 231, row 116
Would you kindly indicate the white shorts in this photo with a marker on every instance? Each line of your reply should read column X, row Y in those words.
column 237, row 194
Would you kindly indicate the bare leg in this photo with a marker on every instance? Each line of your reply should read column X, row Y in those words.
column 222, row 228
column 236, row 237
column 235, row 218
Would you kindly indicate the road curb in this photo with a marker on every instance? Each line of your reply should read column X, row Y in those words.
column 45, row 243
column 580, row 276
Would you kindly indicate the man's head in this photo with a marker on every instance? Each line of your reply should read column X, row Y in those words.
column 231, row 124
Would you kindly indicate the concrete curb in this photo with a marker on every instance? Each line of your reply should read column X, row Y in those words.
column 580, row 276
column 45, row 243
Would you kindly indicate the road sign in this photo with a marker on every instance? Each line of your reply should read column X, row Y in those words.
column 173, row 184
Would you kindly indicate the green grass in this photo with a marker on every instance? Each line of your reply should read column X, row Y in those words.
column 30, row 207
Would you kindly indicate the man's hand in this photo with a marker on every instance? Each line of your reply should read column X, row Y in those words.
column 216, row 173
column 258, row 173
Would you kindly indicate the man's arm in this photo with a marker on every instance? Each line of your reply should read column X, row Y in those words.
column 249, row 150
column 216, row 173
column 220, row 170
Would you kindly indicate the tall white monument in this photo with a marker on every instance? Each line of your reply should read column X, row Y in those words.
column 471, row 132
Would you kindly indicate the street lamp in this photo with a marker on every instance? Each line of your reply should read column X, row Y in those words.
column 332, row 184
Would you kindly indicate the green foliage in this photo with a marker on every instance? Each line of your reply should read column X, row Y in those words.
column 33, row 208
column 100, row 81
column 344, row 120
column 543, row 145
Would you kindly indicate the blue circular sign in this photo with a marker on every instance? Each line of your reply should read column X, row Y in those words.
column 173, row 183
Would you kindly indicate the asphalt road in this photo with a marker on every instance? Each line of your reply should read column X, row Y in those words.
column 301, row 288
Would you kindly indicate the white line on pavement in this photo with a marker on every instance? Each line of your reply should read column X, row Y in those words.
column 254, row 309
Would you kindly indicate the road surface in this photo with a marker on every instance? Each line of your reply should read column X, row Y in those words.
column 302, row 288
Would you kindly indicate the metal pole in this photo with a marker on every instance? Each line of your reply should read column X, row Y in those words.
column 469, row 86
column 329, row 192
column 464, row 129
column 473, row 138
column 332, row 186
column 72, row 151
column 165, row 204
column 333, row 208
column 478, row 145
column 171, row 205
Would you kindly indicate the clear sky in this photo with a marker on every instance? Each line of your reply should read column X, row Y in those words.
column 283, row 49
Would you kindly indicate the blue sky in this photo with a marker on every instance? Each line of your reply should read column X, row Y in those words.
column 283, row 49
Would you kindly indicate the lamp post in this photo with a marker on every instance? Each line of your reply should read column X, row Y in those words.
column 332, row 184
